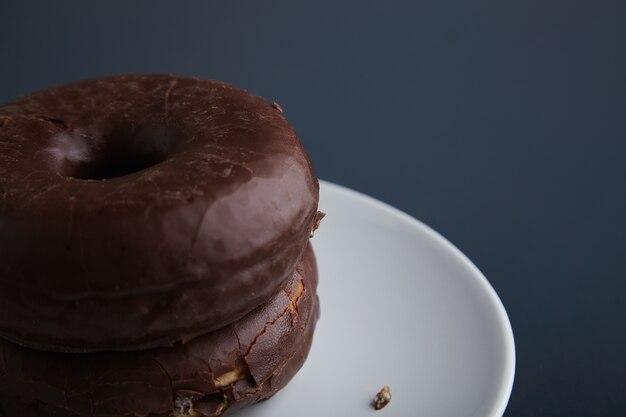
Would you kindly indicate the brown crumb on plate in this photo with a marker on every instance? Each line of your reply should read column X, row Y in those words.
column 382, row 398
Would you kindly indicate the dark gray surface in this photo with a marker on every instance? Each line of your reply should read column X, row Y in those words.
column 500, row 124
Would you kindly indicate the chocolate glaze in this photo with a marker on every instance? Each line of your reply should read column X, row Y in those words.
column 142, row 210
column 235, row 366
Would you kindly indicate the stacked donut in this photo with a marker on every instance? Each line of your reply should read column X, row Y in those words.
column 154, row 256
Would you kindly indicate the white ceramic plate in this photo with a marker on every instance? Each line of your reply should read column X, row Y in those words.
column 401, row 306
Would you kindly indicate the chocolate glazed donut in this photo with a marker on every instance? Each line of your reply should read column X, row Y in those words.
column 138, row 211
column 238, row 365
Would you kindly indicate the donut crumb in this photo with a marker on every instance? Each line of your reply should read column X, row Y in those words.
column 277, row 107
column 317, row 219
column 382, row 398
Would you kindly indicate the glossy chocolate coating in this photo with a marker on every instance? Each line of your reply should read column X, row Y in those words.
column 142, row 210
column 235, row 366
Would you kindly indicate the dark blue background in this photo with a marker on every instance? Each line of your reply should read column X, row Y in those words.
column 501, row 124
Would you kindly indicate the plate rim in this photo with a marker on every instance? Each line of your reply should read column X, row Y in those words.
column 508, row 376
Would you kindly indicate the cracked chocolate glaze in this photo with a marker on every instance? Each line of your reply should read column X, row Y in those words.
column 143, row 210
column 238, row 365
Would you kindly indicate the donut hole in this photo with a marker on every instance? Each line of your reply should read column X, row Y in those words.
column 116, row 152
